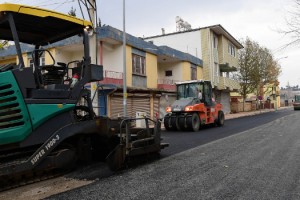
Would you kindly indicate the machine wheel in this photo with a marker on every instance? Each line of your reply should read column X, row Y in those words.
column 193, row 122
column 221, row 119
column 181, row 123
column 167, row 123
column 175, row 123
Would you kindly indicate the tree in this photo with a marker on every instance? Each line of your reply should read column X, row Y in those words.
column 72, row 12
column 269, row 70
column 246, row 69
column 257, row 68
column 3, row 43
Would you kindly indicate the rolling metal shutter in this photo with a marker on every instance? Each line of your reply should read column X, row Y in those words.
column 135, row 103
column 156, row 102
column 140, row 103
column 116, row 106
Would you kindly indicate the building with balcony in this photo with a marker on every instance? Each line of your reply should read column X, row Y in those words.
column 218, row 50
column 151, row 70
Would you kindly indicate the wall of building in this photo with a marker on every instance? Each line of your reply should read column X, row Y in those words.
column 113, row 60
column 242, row 106
column 59, row 54
column 175, row 67
column 186, row 71
column 48, row 58
column 214, row 56
column 206, row 54
column 151, row 70
column 112, row 57
column 268, row 91
column 8, row 61
column 63, row 56
column 128, row 66
column 224, row 55
column 69, row 53
column 225, row 101
column 188, row 42
column 25, row 57
column 199, row 73
column 180, row 71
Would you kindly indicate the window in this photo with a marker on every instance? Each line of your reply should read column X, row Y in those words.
column 231, row 49
column 217, row 71
column 193, row 72
column 225, row 74
column 138, row 65
column 41, row 61
column 189, row 90
column 30, row 62
column 215, row 41
column 168, row 73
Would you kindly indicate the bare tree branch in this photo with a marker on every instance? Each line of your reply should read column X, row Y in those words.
column 293, row 26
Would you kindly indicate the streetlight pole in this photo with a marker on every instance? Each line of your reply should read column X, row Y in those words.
column 124, row 65
column 275, row 86
column 275, row 96
column 93, row 46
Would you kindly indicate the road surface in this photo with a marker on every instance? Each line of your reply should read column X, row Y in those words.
column 258, row 163
column 181, row 141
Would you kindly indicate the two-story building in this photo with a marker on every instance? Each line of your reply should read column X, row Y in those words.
column 150, row 70
column 218, row 50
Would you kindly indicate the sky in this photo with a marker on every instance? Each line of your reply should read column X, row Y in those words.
column 260, row 20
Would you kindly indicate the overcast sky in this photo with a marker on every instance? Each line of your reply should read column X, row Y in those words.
column 257, row 19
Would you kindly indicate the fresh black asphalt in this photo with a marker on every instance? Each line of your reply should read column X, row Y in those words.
column 254, row 157
column 181, row 141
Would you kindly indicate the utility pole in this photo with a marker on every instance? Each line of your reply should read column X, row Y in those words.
column 93, row 46
column 124, row 66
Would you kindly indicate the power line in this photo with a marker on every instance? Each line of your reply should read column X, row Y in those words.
column 40, row 3
column 60, row 3
column 67, row 1
column 81, row 9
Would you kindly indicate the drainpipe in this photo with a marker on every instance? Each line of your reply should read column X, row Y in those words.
column 101, row 53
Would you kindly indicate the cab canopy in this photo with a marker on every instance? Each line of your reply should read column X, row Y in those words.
column 36, row 25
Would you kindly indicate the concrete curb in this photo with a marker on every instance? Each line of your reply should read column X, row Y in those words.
column 251, row 113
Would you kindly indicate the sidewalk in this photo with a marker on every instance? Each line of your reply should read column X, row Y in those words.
column 250, row 113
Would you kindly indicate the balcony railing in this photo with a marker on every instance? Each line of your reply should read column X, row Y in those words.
column 166, row 84
column 111, row 77
column 228, row 84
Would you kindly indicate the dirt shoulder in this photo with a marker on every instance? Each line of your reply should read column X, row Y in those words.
column 43, row 189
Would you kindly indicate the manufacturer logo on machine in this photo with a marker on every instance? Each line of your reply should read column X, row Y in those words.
column 47, row 147
column 177, row 108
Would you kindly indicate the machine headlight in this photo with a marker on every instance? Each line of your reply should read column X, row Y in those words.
column 188, row 108
column 168, row 109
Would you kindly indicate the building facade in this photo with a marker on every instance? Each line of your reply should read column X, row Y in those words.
column 218, row 50
column 150, row 70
